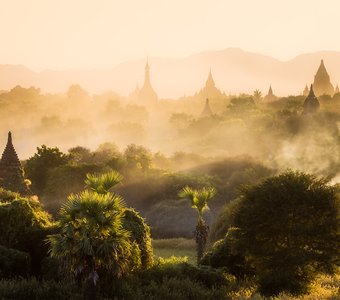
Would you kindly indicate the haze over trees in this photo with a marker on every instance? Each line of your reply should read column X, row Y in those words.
column 160, row 156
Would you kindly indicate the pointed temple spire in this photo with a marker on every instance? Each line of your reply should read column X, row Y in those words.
column 311, row 104
column 270, row 97
column 207, row 112
column 11, row 172
column 210, row 90
column 322, row 84
column 305, row 91
column 147, row 94
column 210, row 83
column 336, row 89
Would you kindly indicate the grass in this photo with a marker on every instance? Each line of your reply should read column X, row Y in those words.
column 178, row 247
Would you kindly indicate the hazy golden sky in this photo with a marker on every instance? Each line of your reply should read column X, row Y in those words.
column 62, row 34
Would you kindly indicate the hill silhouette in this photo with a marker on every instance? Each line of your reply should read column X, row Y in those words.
column 234, row 71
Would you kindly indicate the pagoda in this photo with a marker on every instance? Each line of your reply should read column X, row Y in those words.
column 11, row 171
column 147, row 94
column 207, row 112
column 322, row 84
column 311, row 104
column 210, row 90
column 270, row 97
column 305, row 91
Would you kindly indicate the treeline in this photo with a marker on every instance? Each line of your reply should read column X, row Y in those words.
column 151, row 182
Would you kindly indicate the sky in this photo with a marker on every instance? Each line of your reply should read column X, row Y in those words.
column 99, row 34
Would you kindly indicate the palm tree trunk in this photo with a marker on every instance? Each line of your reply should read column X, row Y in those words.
column 90, row 288
column 201, row 236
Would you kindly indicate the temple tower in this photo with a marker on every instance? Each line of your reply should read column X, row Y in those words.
column 147, row 94
column 11, row 171
column 207, row 112
column 305, row 91
column 311, row 104
column 210, row 90
column 322, row 84
column 270, row 97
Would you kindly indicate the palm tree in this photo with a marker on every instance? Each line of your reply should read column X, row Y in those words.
column 257, row 96
column 103, row 183
column 199, row 201
column 92, row 236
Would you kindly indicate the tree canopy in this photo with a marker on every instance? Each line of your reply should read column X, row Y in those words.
column 288, row 229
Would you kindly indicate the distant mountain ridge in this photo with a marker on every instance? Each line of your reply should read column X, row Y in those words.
column 234, row 71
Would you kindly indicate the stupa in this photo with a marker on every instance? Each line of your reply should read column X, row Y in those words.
column 11, row 171
column 146, row 94
column 322, row 84
column 270, row 97
column 311, row 104
column 210, row 90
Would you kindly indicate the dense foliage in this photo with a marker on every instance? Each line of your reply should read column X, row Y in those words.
column 24, row 226
column 287, row 230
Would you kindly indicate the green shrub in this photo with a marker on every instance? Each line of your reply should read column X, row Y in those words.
column 13, row 263
column 178, row 268
column 223, row 222
column 224, row 254
column 173, row 279
column 140, row 233
column 289, row 231
column 24, row 226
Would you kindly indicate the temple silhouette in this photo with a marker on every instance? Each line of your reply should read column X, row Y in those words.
column 305, row 91
column 270, row 97
column 311, row 105
column 11, row 171
column 322, row 84
column 207, row 112
column 146, row 94
column 210, row 90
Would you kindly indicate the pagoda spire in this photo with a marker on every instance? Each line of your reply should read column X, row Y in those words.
column 270, row 96
column 270, row 91
column 311, row 104
column 147, row 73
column 9, row 156
column 305, row 91
column 11, row 172
column 322, row 84
column 146, row 94
column 210, row 83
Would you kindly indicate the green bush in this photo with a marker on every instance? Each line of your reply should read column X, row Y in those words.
column 223, row 222
column 140, row 233
column 177, row 268
column 174, row 279
column 32, row 289
column 24, row 226
column 288, row 228
column 224, row 254
column 13, row 263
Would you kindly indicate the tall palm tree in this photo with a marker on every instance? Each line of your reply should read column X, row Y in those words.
column 199, row 201
column 92, row 236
